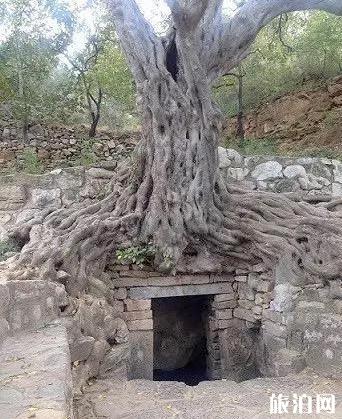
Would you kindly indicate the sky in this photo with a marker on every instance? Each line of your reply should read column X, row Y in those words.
column 154, row 10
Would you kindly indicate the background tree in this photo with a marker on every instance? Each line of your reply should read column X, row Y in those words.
column 85, row 67
column 36, row 32
column 306, row 51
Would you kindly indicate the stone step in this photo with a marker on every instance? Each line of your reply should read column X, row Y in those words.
column 35, row 375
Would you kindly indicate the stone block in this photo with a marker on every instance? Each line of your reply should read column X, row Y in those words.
column 137, row 305
column 224, row 304
column 137, row 315
column 240, row 271
column 247, row 304
column 4, row 299
column 245, row 292
column 222, row 278
column 81, row 348
column 267, row 171
column 36, row 369
column 146, row 324
column 259, row 299
column 288, row 362
column 224, row 314
column 141, row 359
column 244, row 314
column 118, row 306
column 160, row 292
column 264, row 286
column 275, row 329
column 274, row 316
column 257, row 310
column 114, row 358
column 120, row 293
column 260, row 267
column 224, row 297
column 241, row 278
column 225, row 323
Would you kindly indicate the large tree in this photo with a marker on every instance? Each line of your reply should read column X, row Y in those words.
column 172, row 193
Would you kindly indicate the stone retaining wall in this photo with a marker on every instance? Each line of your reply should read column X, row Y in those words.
column 23, row 195
column 305, row 175
column 51, row 147
column 28, row 305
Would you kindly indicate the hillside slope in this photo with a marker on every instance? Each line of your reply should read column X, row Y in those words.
column 306, row 122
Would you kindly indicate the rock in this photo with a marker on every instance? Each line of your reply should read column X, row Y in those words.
column 111, row 144
column 43, row 198
column 288, row 362
column 237, row 173
column 268, row 170
column 284, row 297
column 234, row 156
column 337, row 171
column 116, row 329
column 224, row 160
column 113, row 359
column 294, row 171
column 99, row 173
column 4, row 299
column 132, row 305
column 6, row 132
column 81, row 348
column 336, row 189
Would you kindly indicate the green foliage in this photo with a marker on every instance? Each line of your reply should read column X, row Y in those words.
column 30, row 162
column 87, row 155
column 7, row 246
column 36, row 32
column 254, row 146
column 114, row 76
column 139, row 255
column 309, row 52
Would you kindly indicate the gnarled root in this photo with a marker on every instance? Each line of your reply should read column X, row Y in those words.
column 245, row 226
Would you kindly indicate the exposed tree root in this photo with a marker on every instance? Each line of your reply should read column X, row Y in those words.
column 245, row 226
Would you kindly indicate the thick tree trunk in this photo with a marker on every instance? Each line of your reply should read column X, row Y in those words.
column 177, row 157
column 171, row 193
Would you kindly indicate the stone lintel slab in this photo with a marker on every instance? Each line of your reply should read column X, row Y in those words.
column 178, row 291
column 166, row 281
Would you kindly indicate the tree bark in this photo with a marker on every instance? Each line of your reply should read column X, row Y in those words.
column 171, row 192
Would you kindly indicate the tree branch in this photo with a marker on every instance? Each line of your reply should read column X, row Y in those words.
column 239, row 32
column 187, row 15
column 136, row 36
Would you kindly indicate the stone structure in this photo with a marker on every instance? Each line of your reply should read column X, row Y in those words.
column 304, row 176
column 255, row 321
column 59, row 146
column 35, row 376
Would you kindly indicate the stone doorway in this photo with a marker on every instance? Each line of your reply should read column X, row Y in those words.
column 180, row 347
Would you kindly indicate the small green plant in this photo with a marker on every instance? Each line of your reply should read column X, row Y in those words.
column 87, row 155
column 7, row 246
column 139, row 255
column 30, row 162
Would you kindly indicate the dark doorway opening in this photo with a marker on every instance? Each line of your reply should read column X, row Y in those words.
column 179, row 339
